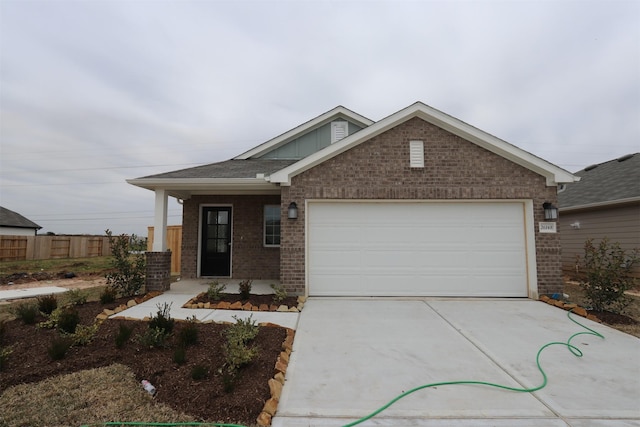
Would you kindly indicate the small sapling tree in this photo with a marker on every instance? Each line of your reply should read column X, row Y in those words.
column 129, row 266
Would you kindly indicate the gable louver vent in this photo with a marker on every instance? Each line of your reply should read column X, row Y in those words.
column 339, row 130
column 416, row 154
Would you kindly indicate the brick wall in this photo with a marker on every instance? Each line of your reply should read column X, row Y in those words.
column 454, row 169
column 249, row 258
column 158, row 271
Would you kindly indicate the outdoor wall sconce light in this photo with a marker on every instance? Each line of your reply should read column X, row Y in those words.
column 550, row 211
column 292, row 211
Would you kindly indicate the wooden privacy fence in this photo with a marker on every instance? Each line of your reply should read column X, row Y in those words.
column 19, row 248
column 174, row 244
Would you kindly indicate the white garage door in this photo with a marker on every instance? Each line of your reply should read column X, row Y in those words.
column 416, row 249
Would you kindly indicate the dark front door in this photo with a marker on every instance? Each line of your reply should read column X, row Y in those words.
column 216, row 242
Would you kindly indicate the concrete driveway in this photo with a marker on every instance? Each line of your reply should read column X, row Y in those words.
column 352, row 356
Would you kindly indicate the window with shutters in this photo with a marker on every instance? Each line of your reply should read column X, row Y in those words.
column 339, row 130
column 416, row 154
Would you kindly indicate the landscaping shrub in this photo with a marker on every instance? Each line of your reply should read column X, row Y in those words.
column 607, row 269
column 215, row 290
column 58, row 348
column 4, row 356
column 189, row 333
column 162, row 319
column 128, row 277
column 153, row 338
column 84, row 334
column 47, row 303
column 27, row 312
column 237, row 350
column 76, row 297
column 245, row 289
column 280, row 293
column 68, row 320
column 124, row 332
column 108, row 295
column 180, row 355
column 199, row 372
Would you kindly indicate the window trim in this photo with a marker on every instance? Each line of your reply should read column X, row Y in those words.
column 264, row 226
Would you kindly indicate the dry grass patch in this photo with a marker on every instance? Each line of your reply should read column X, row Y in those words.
column 86, row 397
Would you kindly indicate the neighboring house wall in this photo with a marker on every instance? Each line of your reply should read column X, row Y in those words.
column 249, row 258
column 618, row 223
column 17, row 231
column 379, row 169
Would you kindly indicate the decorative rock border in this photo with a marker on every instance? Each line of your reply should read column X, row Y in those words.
column 224, row 305
column 122, row 307
column 580, row 311
column 277, row 382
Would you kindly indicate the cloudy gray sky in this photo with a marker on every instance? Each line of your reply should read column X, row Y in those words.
column 95, row 92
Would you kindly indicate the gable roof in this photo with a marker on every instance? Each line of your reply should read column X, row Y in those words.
column 272, row 144
column 552, row 173
column 249, row 173
column 9, row 218
column 612, row 182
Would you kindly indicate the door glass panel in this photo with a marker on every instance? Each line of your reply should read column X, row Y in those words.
column 211, row 217
column 222, row 246
column 212, row 231
column 223, row 217
column 223, row 231
column 211, row 246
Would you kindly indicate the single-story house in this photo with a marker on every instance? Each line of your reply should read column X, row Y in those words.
column 416, row 204
column 605, row 203
column 14, row 224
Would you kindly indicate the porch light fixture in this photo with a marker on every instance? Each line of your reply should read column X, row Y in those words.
column 550, row 211
column 292, row 212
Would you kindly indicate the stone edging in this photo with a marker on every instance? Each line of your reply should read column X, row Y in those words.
column 277, row 382
column 580, row 311
column 223, row 305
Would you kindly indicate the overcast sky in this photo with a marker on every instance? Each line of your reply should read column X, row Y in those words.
column 95, row 92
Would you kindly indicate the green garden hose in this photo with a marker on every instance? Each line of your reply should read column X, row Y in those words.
column 573, row 349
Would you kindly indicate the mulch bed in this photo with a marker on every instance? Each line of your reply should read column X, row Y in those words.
column 256, row 300
column 204, row 399
column 613, row 318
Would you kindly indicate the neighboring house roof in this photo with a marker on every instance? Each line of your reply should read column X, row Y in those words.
column 9, row 218
column 250, row 172
column 613, row 182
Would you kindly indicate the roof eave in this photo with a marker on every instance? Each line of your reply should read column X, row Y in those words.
column 553, row 174
column 184, row 188
column 597, row 205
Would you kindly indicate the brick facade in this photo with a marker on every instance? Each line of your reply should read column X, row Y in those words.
column 249, row 258
column 158, row 271
column 455, row 169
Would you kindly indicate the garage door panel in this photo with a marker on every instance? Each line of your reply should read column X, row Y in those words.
column 425, row 249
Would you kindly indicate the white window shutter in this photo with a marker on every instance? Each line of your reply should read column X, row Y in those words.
column 339, row 130
column 416, row 154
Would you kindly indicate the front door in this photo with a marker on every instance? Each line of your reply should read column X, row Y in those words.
column 216, row 242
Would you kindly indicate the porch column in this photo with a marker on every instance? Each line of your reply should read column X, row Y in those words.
column 160, row 222
column 158, row 272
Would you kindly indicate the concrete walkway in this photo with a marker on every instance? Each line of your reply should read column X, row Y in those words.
column 177, row 296
column 350, row 357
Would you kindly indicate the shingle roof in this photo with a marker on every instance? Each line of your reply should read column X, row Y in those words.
column 616, row 179
column 248, row 168
column 10, row 218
